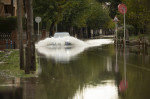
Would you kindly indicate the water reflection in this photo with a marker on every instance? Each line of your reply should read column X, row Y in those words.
column 90, row 76
column 61, row 54
column 106, row 90
column 11, row 93
column 11, row 89
column 123, row 84
column 97, row 73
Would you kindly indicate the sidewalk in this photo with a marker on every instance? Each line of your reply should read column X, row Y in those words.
column 104, row 37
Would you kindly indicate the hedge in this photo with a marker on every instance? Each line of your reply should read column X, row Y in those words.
column 8, row 24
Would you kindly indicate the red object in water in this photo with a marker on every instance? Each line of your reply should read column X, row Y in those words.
column 123, row 86
column 122, row 8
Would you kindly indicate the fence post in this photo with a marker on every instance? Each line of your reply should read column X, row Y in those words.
column 6, row 44
column 11, row 44
column 14, row 45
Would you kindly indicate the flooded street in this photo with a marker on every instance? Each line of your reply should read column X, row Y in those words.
column 74, row 49
column 92, row 73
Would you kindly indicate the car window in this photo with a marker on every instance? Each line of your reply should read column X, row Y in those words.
column 61, row 34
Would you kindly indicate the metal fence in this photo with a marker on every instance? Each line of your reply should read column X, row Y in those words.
column 6, row 41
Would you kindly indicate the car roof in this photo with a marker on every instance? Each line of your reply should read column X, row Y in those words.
column 61, row 32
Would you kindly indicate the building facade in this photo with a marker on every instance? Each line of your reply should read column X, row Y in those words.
column 8, row 8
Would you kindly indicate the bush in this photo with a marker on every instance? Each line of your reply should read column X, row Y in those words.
column 8, row 24
column 130, row 29
column 121, row 33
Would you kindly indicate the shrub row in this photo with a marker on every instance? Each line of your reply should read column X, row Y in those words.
column 8, row 24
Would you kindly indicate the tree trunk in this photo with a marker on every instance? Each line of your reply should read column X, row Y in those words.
column 27, row 68
column 33, row 62
column 51, row 31
column 24, row 6
column 89, row 32
column 86, row 32
column 71, row 30
column 30, row 50
column 81, row 31
column 20, row 32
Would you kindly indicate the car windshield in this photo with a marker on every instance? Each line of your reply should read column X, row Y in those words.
column 61, row 34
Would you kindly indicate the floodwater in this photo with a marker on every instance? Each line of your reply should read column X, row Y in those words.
column 99, row 72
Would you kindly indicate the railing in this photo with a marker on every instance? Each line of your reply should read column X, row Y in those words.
column 5, row 36
column 6, row 41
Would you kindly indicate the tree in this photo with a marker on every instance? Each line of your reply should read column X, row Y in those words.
column 30, row 53
column 113, row 6
column 76, row 15
column 69, row 14
column 99, row 17
column 50, row 10
column 138, row 15
column 20, row 32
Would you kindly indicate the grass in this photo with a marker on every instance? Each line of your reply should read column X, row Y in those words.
column 9, row 66
column 138, row 36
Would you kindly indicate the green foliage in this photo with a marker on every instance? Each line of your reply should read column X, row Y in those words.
column 8, row 24
column 130, row 29
column 121, row 33
column 86, row 13
column 136, row 37
column 110, row 24
column 138, row 14
column 49, row 9
column 78, row 13
column 113, row 6
column 99, row 17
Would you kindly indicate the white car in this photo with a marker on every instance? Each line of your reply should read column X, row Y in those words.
column 61, row 37
column 61, row 34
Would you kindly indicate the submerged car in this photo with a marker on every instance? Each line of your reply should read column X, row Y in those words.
column 61, row 39
column 61, row 34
